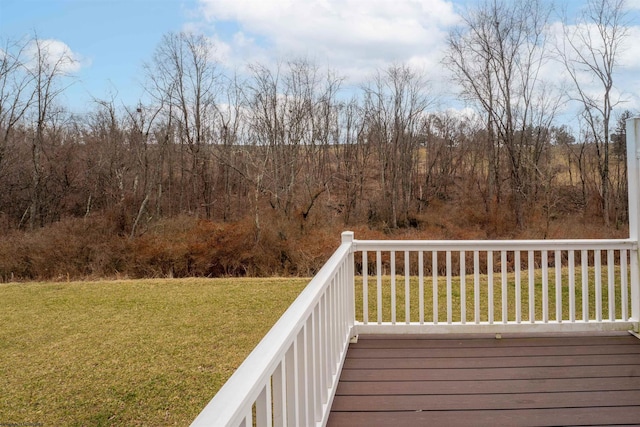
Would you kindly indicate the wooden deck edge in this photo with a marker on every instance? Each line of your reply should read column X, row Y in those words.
column 486, row 328
column 472, row 336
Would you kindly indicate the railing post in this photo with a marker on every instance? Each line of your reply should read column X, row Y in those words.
column 633, row 184
column 347, row 237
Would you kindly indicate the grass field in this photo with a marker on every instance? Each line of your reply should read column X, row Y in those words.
column 149, row 352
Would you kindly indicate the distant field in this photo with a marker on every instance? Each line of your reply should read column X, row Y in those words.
column 144, row 352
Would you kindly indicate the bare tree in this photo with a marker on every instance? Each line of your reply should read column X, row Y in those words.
column 292, row 120
column 47, row 69
column 446, row 145
column 141, row 122
column 591, row 47
column 354, row 161
column 496, row 57
column 15, row 94
column 394, row 107
column 184, row 75
column 321, row 109
column 228, row 122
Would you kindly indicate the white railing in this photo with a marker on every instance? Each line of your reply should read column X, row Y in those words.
column 290, row 378
column 423, row 287
column 496, row 286
column 438, row 286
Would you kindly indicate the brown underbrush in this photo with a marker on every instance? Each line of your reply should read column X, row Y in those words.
column 184, row 246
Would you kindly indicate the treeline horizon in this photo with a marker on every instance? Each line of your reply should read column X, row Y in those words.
column 218, row 175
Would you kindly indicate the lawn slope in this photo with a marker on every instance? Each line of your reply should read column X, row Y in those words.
column 146, row 352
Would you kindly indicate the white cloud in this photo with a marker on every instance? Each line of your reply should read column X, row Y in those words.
column 630, row 51
column 55, row 53
column 353, row 36
column 358, row 37
column 633, row 4
column 626, row 77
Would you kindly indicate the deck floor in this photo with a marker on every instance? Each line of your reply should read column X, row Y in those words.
column 533, row 380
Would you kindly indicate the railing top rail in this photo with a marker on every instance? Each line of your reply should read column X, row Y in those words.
column 225, row 407
column 494, row 245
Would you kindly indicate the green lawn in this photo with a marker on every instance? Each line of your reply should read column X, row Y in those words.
column 146, row 352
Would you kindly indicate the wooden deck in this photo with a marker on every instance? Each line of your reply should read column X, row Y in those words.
column 480, row 380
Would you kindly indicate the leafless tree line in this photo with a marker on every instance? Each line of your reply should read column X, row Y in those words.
column 289, row 143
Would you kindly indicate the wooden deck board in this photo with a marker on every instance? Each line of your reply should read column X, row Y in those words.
column 370, row 388
column 475, row 352
column 518, row 380
column 466, row 402
column 490, row 373
column 491, row 362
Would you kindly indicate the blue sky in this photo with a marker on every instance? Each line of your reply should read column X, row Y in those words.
column 111, row 39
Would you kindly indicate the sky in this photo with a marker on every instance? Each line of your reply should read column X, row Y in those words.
column 110, row 40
